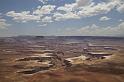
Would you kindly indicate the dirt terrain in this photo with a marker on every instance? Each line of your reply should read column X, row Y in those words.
column 44, row 59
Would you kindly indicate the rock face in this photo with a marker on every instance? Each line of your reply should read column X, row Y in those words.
column 98, row 54
column 60, row 60
column 34, row 58
column 34, row 64
column 36, row 69
column 53, row 59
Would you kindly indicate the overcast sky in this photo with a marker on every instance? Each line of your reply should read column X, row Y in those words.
column 62, row 17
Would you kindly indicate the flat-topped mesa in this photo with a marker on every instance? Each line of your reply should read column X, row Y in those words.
column 74, row 60
column 36, row 69
column 110, row 48
column 40, row 58
column 103, row 46
column 98, row 54
column 93, row 45
column 36, row 46
column 37, row 64
column 48, row 51
column 44, row 55
column 32, row 50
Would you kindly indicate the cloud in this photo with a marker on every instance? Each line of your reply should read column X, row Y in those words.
column 120, row 20
column 69, row 15
column 102, row 31
column 43, row 1
column 104, row 18
column 23, row 16
column 121, row 8
column 36, row 15
column 46, row 9
column 100, row 8
column 47, row 19
column 42, row 25
column 66, row 7
column 80, row 3
column 94, row 30
column 3, row 24
column 84, row 8
column 66, row 12
column 77, row 10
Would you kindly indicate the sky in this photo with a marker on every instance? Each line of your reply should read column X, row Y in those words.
column 62, row 17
